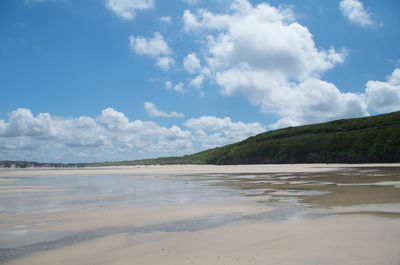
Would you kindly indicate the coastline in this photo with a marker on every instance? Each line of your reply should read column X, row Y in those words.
column 188, row 169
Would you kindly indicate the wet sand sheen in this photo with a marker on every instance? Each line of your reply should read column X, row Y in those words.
column 334, row 240
column 353, row 186
column 296, row 223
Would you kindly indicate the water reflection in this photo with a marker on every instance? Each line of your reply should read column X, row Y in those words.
column 288, row 197
column 57, row 193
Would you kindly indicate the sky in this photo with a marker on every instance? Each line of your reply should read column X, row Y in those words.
column 110, row 80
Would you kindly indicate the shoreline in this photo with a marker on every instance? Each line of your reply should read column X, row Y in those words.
column 192, row 169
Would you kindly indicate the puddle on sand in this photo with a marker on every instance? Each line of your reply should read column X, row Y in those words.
column 346, row 187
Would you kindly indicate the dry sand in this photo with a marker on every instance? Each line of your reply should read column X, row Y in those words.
column 334, row 239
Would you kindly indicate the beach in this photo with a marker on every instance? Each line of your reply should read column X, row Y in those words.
column 195, row 214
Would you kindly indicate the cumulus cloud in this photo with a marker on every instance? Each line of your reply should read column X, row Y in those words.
column 126, row 9
column 41, row 1
column 106, row 134
column 197, row 81
column 191, row 2
column 191, row 63
column 23, row 125
column 165, row 62
column 168, row 84
column 355, row 12
column 212, row 131
column 166, row 19
column 179, row 88
column 275, row 65
column 145, row 137
column 154, row 112
column 309, row 101
column 112, row 136
column 384, row 96
column 153, row 47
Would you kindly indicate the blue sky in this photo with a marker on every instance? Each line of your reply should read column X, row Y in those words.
column 100, row 80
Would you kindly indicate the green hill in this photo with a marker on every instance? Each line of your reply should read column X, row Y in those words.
column 361, row 140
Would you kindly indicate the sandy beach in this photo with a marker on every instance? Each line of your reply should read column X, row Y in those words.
column 334, row 240
column 258, row 214
column 186, row 169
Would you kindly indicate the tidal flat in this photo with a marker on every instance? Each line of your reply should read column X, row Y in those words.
column 260, row 214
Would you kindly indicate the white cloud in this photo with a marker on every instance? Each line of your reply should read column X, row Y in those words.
column 166, row 20
column 168, row 84
column 144, row 136
column 189, row 21
column 276, row 65
column 153, row 47
column 41, row 1
column 116, row 121
column 23, row 125
column 34, row 1
column 57, row 137
column 111, row 136
column 165, row 62
column 355, row 12
column 213, row 131
column 197, row 81
column 191, row 63
column 191, row 2
column 309, row 101
column 154, row 112
column 179, row 87
column 204, row 20
column 384, row 96
column 126, row 9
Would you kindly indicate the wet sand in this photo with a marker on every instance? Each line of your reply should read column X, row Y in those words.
column 262, row 214
column 346, row 187
column 333, row 240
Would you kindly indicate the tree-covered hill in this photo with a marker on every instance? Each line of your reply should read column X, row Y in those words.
column 361, row 140
column 373, row 139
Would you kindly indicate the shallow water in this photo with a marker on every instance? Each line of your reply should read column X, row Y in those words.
column 30, row 204
column 58, row 193
column 346, row 187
